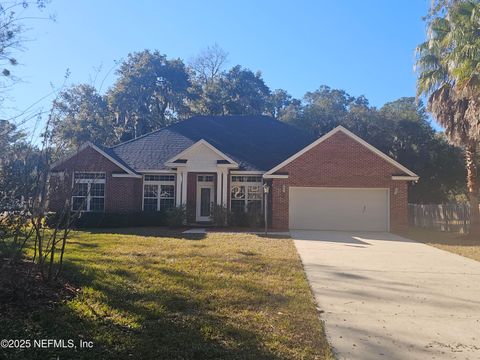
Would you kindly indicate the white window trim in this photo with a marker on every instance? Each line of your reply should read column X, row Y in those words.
column 211, row 182
column 405, row 178
column 246, row 172
column 89, row 182
column 159, row 183
column 245, row 184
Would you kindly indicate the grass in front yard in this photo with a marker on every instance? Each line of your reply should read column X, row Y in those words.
column 453, row 242
column 146, row 296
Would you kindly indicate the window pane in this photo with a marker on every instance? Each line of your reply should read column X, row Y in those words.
column 254, row 206
column 89, row 175
column 205, row 193
column 97, row 190
column 257, row 179
column 254, row 192
column 79, row 203
column 254, row 179
column 150, row 204
column 159, row 177
column 97, row 204
column 238, row 205
column 205, row 178
column 166, row 204
column 80, row 190
column 151, row 191
column 238, row 192
column 167, row 191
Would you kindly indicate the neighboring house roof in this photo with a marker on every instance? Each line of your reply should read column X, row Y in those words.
column 411, row 174
column 254, row 142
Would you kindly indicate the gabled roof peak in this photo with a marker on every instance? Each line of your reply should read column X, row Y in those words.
column 347, row 132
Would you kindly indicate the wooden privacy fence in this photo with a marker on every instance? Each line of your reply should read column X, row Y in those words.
column 443, row 217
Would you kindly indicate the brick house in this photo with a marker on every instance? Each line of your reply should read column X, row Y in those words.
column 336, row 182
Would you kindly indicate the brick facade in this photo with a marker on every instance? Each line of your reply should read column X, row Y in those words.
column 339, row 161
column 122, row 195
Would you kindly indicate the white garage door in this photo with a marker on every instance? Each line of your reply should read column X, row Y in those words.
column 318, row 208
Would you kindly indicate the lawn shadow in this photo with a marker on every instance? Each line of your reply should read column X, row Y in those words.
column 154, row 231
column 172, row 323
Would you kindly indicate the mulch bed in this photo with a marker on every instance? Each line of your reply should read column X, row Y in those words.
column 22, row 287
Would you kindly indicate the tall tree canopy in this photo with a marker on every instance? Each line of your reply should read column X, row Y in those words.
column 448, row 66
column 81, row 114
column 151, row 92
column 19, row 163
column 207, row 66
column 237, row 91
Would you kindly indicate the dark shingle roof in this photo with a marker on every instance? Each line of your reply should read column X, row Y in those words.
column 254, row 142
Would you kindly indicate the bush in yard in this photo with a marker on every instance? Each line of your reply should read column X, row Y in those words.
column 255, row 218
column 176, row 216
column 252, row 218
column 220, row 215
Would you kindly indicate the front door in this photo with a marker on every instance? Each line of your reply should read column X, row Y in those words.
column 205, row 198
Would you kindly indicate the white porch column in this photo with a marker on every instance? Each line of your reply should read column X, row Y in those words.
column 184, row 186
column 225, row 189
column 178, row 188
column 219, row 186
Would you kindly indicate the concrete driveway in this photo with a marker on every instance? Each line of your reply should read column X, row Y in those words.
column 386, row 297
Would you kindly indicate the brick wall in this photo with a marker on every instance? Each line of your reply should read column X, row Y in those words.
column 121, row 194
column 340, row 161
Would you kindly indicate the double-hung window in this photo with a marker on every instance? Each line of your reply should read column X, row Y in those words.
column 88, row 191
column 246, row 193
column 158, row 192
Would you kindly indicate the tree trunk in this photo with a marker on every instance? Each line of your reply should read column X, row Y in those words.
column 472, row 186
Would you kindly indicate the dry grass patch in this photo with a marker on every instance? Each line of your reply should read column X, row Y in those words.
column 453, row 242
column 147, row 295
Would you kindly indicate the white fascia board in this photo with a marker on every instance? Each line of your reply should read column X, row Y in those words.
column 173, row 165
column 127, row 176
column 273, row 176
column 198, row 143
column 157, row 171
column 407, row 178
column 246, row 172
column 100, row 151
column 353, row 136
column 229, row 166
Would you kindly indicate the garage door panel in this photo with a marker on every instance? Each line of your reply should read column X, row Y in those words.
column 338, row 209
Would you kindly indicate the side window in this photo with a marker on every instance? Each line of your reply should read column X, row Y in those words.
column 246, row 193
column 88, row 191
column 158, row 192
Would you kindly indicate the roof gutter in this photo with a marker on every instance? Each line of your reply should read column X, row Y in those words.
column 405, row 178
column 275, row 176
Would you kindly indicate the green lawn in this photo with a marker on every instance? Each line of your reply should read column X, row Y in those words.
column 145, row 296
column 453, row 242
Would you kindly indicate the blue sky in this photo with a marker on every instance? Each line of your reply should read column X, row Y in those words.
column 365, row 47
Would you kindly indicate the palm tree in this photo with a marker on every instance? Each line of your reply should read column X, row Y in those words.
column 448, row 66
